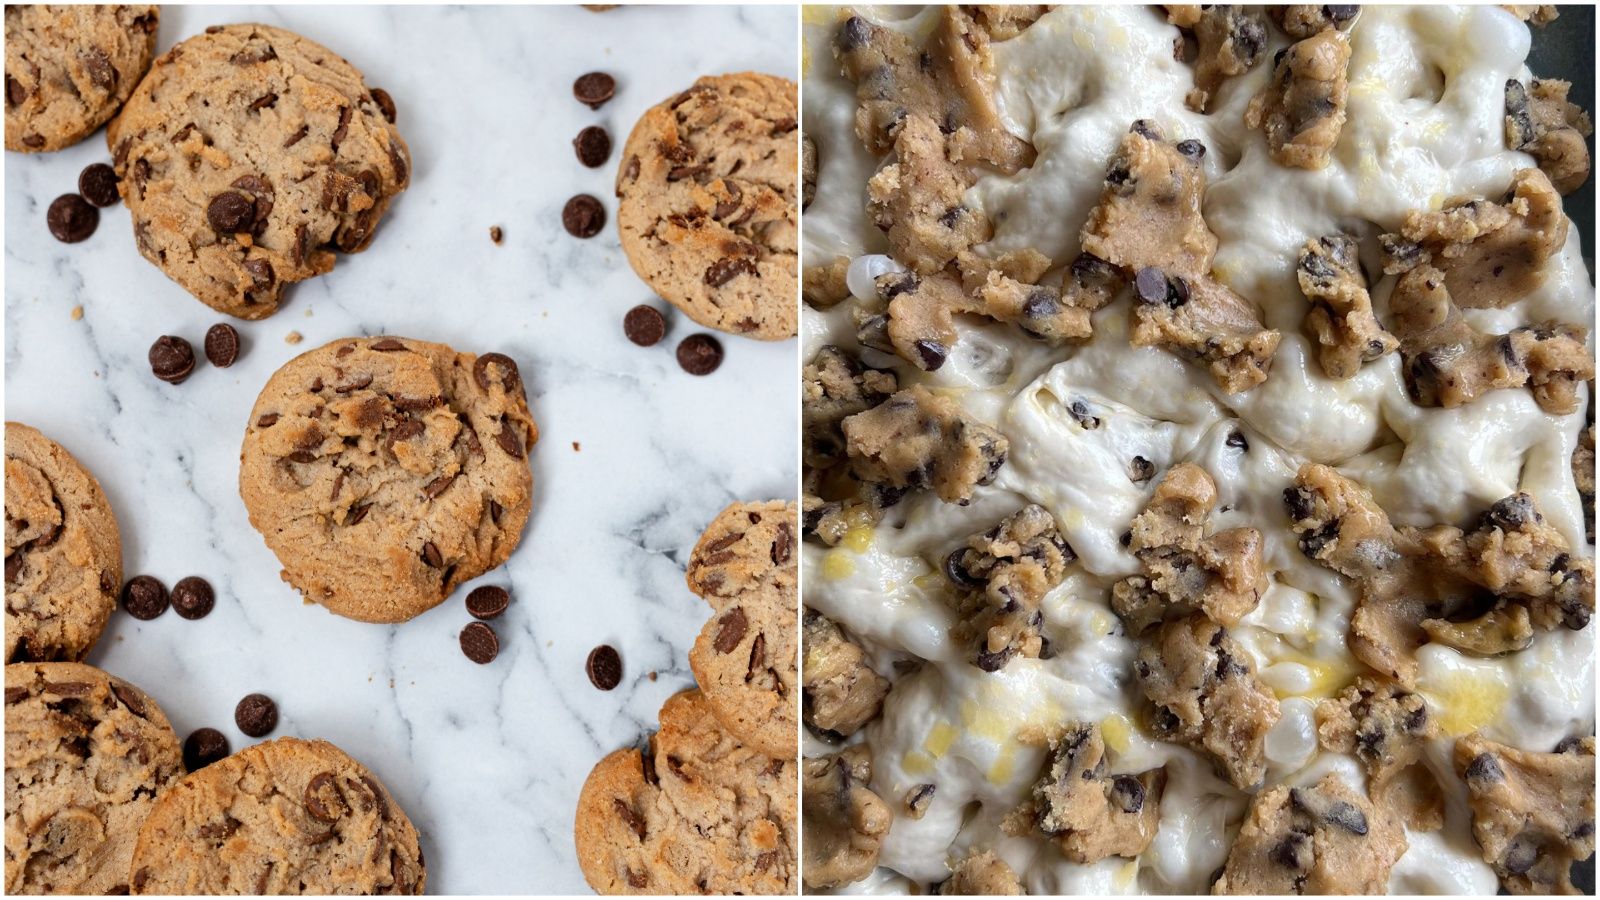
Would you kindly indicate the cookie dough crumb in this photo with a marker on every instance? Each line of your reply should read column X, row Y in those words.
column 982, row 874
column 1387, row 728
column 1324, row 839
column 841, row 691
column 1004, row 575
column 1532, row 13
column 917, row 440
column 844, row 821
column 293, row 337
column 916, row 317
column 1302, row 109
column 1541, row 120
column 1092, row 814
column 1303, row 21
column 1348, row 334
column 1229, row 41
column 834, row 387
column 1532, row 813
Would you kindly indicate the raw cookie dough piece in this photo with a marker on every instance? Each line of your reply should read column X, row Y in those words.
column 1004, row 574
column 1089, row 813
column 1532, row 13
column 808, row 171
column 1387, row 727
column 845, row 822
column 247, row 156
column 746, row 661
column 1302, row 108
column 916, row 440
column 1229, row 41
column 746, row 546
column 917, row 199
column 699, row 813
column 69, row 68
column 1324, row 839
column 917, row 321
column 1002, row 22
column 841, row 691
column 833, row 387
column 824, row 287
column 63, row 551
column 708, row 205
column 1207, row 695
column 385, row 471
column 1303, row 21
column 1583, row 472
column 281, row 817
column 982, row 875
column 1348, row 334
column 1541, row 120
column 86, row 756
column 1532, row 813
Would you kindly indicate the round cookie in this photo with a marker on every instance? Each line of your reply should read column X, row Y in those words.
column 68, row 69
column 86, row 756
column 746, row 661
column 385, row 471
column 247, row 157
column 63, row 551
column 741, row 548
column 701, row 814
column 707, row 204
column 283, row 817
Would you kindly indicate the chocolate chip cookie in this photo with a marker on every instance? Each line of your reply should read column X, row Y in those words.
column 284, row 817
column 86, row 756
column 248, row 156
column 63, row 551
column 69, row 68
column 708, row 204
column 744, row 546
column 385, row 471
column 747, row 663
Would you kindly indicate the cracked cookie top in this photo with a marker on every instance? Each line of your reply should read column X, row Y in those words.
column 69, row 69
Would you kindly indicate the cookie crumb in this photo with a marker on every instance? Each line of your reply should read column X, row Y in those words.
column 496, row 234
column 77, row 312
column 576, row 447
column 293, row 337
column 651, row 675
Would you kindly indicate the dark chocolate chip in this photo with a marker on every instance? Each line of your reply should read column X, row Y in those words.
column 931, row 354
column 71, row 218
column 731, row 629
column 488, row 601
column 700, row 354
column 644, row 325
column 230, row 212
column 604, row 666
column 322, row 798
column 222, row 345
column 583, row 216
column 1128, row 793
column 204, row 747
column 1484, row 767
column 1237, row 441
column 98, row 185
column 510, row 377
column 256, row 715
column 593, row 146
column 1150, row 285
column 385, row 104
column 1192, row 149
column 193, row 598
column 171, row 359
column 144, row 597
column 594, row 89
column 480, row 643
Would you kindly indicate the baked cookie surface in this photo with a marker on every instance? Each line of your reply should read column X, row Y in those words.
column 385, row 471
column 63, row 551
column 746, row 545
column 69, row 68
column 708, row 209
column 250, row 155
column 283, row 817
column 86, row 756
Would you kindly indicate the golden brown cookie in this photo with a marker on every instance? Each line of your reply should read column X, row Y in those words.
column 746, row 545
column 69, row 68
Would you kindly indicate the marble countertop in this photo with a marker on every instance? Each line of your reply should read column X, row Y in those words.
column 635, row 455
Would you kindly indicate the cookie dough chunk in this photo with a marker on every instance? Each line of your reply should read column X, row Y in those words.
column 69, row 68
column 982, row 874
column 845, row 822
column 842, row 692
column 917, row 322
column 1386, row 727
column 699, row 813
column 281, row 817
column 1302, row 109
column 63, row 551
column 1324, row 839
column 1229, row 42
column 1532, row 813
column 1583, row 472
column 1532, row 13
column 1004, row 574
column 1186, row 571
column 247, row 157
column 1092, row 814
column 746, row 546
column 834, row 387
column 917, row 199
column 1348, row 334
column 746, row 661
column 1541, row 120
column 824, row 287
column 808, row 171
column 86, row 756
column 917, row 440
column 1207, row 695
column 1043, row 312
column 1304, row 21
column 708, row 206
column 385, row 471
column 1002, row 22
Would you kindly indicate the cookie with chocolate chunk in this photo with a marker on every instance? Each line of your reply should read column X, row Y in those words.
column 250, row 155
column 69, row 68
column 708, row 203
column 746, row 545
column 384, row 472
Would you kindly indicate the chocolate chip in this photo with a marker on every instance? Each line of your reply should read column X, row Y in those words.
column 204, row 747
column 1192, row 149
column 322, row 798
column 480, row 643
column 496, row 235
column 594, row 89
column 98, row 185
column 171, row 359
column 16, row 94
column 932, row 354
column 488, row 602
column 1236, row 440
column 256, row 715
column 509, row 376
column 1341, row 13
column 1128, row 793
column 583, row 216
column 731, row 629
column 723, row 271
column 193, row 598
column 230, row 212
column 71, row 219
column 431, row 555
column 1150, row 285
column 604, row 666
column 144, row 597
column 222, row 345
column 699, row 354
column 385, row 104
column 593, row 146
column 644, row 325
column 1484, row 767
column 98, row 65
column 130, row 698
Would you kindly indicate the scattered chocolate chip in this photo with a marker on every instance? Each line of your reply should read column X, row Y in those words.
column 230, row 212
column 222, row 345
column 71, row 218
column 644, row 325
column 495, row 234
column 204, row 747
column 604, row 667
column 98, row 185
column 385, row 104
column 583, row 216
column 144, row 597
column 193, row 598
column 256, row 715
column 700, row 354
column 594, row 89
column 593, row 146
column 488, row 602
column 479, row 643
column 171, row 359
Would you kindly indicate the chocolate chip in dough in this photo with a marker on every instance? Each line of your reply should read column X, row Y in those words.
column 604, row 667
column 71, row 218
column 171, row 359
column 98, row 185
column 144, row 597
column 593, row 146
column 480, row 643
column 644, row 325
column 204, row 747
column 256, row 715
column 192, row 598
column 488, row 602
column 593, row 89
column 583, row 216
column 385, row 104
column 700, row 354
column 222, row 345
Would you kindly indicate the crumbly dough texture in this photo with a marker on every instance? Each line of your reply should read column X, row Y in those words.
column 845, row 822
column 283, row 817
column 708, row 203
column 833, row 387
column 63, row 551
column 1542, row 121
column 1532, row 813
column 1301, row 21
column 917, row 199
column 1387, row 728
column 918, row 440
column 982, row 874
column 86, row 756
column 384, row 472
column 1302, row 109
column 1091, row 813
column 1229, row 41
column 841, row 690
column 70, row 68
column 250, row 155
column 1003, row 575
column 1323, row 839
column 1348, row 334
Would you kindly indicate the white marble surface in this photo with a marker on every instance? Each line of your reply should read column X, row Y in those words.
column 487, row 760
